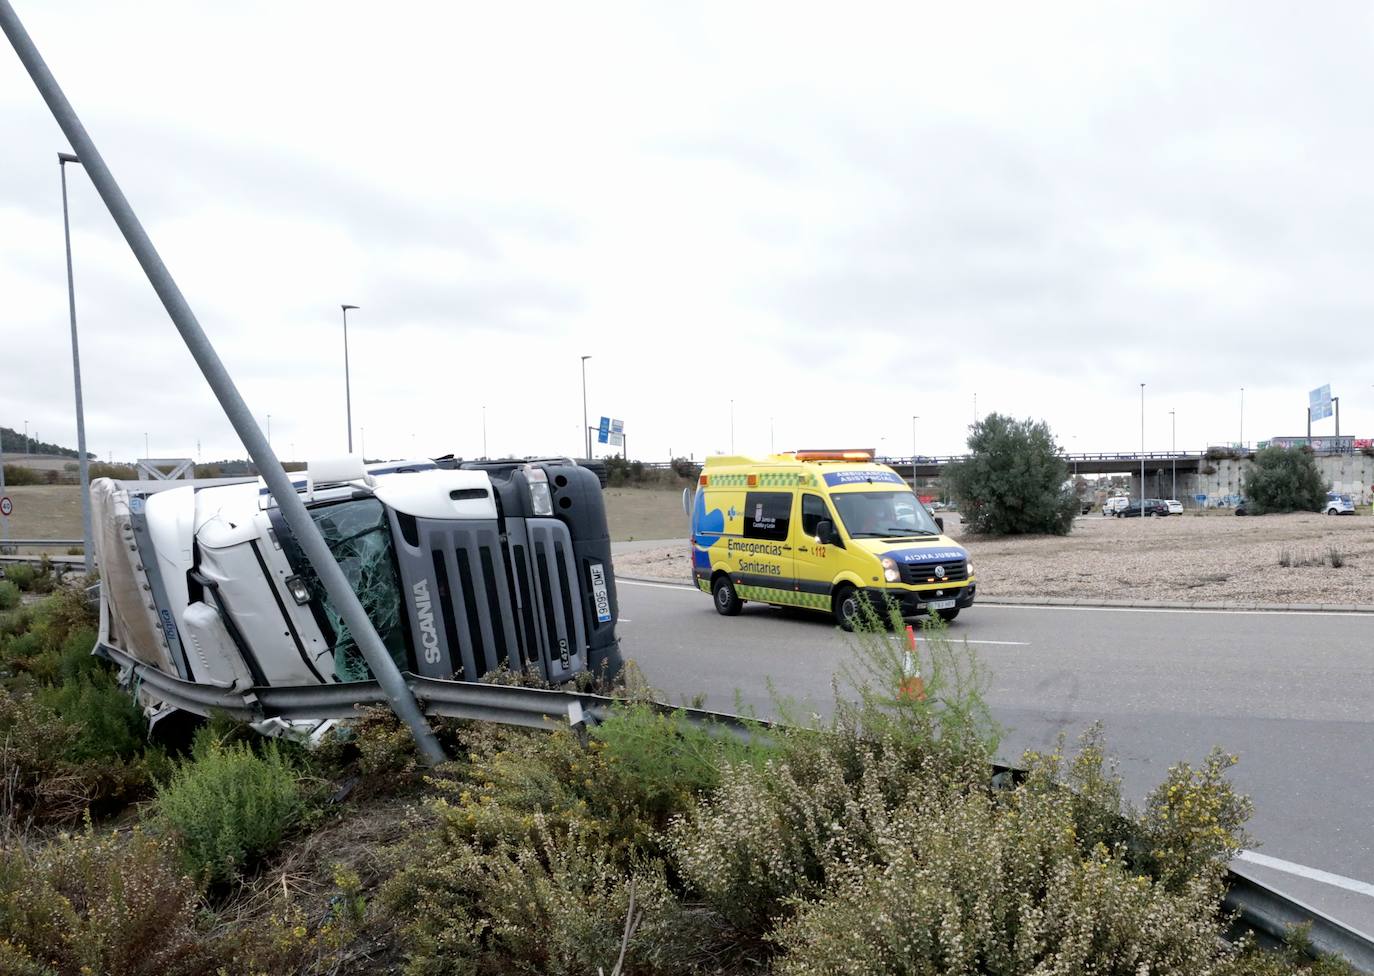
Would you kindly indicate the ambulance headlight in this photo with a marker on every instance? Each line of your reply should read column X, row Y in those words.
column 890, row 571
column 541, row 500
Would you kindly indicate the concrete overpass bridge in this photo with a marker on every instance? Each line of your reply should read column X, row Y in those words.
column 1156, row 462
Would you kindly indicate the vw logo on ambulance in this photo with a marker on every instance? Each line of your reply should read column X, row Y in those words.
column 819, row 530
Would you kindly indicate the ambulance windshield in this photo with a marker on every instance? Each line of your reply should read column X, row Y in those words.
column 883, row 514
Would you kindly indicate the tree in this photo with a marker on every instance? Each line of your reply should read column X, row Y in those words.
column 1014, row 480
column 1284, row 480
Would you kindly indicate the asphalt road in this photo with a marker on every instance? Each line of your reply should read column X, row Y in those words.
column 1291, row 693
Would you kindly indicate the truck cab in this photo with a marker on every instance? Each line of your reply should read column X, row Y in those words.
column 462, row 568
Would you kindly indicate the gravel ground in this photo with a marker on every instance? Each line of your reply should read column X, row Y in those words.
column 1189, row 558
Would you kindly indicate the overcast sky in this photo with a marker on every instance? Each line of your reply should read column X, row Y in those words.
column 837, row 219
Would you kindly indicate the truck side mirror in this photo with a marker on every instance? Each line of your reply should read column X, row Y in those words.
column 826, row 534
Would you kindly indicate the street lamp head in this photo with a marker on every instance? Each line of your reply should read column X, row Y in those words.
column 347, row 307
column 67, row 158
column 585, row 358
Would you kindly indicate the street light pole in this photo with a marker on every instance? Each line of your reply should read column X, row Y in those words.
column 26, row 437
column 146, row 451
column 586, row 429
column 269, row 428
column 1142, row 452
column 87, row 541
column 484, row 432
column 1242, row 418
column 732, row 426
column 914, row 418
column 1173, row 451
column 348, row 385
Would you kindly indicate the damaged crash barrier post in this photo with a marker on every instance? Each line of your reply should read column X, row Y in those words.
column 331, row 577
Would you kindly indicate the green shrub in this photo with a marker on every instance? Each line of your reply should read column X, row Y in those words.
column 61, row 764
column 1284, row 480
column 98, row 903
column 16, row 475
column 558, row 904
column 22, row 575
column 108, row 723
column 962, row 886
column 1013, row 481
column 665, row 761
column 229, row 807
column 9, row 594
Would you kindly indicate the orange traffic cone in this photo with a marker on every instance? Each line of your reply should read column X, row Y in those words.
column 911, row 687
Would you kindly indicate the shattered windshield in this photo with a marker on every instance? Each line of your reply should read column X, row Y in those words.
column 360, row 539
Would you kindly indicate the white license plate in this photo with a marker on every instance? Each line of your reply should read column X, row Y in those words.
column 940, row 604
column 603, row 601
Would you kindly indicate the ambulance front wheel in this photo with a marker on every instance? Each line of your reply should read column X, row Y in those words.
column 845, row 606
column 728, row 603
column 948, row 615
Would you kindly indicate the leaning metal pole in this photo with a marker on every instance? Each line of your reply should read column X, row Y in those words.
column 87, row 542
column 292, row 508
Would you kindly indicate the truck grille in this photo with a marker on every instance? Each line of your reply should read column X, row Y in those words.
column 511, row 600
column 956, row 571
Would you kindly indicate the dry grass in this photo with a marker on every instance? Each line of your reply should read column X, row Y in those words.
column 645, row 513
column 45, row 511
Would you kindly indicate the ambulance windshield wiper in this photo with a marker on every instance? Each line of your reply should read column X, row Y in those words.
column 911, row 534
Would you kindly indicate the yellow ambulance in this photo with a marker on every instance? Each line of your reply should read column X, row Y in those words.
column 816, row 529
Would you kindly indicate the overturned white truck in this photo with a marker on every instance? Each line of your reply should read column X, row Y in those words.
column 462, row 568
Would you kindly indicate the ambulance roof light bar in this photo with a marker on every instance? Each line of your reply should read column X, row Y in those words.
column 851, row 454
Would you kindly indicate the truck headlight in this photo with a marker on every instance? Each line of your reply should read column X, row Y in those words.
column 890, row 571
column 298, row 590
column 541, row 500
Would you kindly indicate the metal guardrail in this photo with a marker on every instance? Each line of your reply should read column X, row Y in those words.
column 1272, row 915
column 38, row 543
column 1259, row 908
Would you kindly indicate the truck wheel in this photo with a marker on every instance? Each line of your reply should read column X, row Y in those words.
column 845, row 606
column 948, row 615
column 728, row 603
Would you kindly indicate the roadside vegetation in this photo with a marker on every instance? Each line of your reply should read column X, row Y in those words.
column 622, row 473
column 872, row 841
column 1285, row 480
column 1013, row 481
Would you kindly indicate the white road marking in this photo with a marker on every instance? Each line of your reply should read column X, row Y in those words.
column 1254, row 613
column 688, row 588
column 1312, row 874
column 956, row 640
column 623, row 620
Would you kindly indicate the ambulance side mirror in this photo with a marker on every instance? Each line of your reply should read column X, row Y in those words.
column 826, row 534
column 939, row 523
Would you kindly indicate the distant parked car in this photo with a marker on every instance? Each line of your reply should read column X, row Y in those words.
column 1153, row 506
column 1339, row 504
column 1114, row 505
column 1175, row 506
